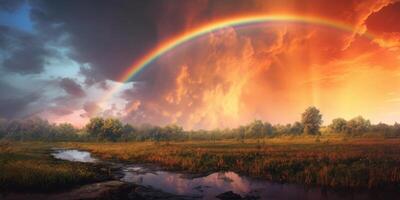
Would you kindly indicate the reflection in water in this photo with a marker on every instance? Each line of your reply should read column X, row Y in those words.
column 74, row 155
column 216, row 183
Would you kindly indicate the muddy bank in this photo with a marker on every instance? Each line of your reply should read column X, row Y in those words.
column 103, row 190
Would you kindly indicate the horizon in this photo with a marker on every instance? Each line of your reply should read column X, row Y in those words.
column 323, row 124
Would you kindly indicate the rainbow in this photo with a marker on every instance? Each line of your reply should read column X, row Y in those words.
column 178, row 40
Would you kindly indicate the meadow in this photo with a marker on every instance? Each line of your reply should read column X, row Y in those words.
column 333, row 162
column 328, row 160
column 29, row 167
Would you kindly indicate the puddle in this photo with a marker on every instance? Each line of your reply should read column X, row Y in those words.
column 74, row 155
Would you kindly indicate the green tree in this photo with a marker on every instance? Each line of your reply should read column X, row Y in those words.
column 173, row 131
column 268, row 129
column 296, row 129
column 111, row 130
column 255, row 129
column 396, row 129
column 94, row 127
column 358, row 125
column 65, row 131
column 338, row 125
column 128, row 133
column 311, row 120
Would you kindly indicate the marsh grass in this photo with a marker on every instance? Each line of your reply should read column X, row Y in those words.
column 331, row 161
column 30, row 167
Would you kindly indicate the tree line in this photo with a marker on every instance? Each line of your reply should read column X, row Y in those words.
column 110, row 129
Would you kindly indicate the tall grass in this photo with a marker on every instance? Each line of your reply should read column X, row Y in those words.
column 332, row 162
column 30, row 167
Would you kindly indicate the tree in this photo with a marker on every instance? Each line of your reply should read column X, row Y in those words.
column 268, row 129
column 173, row 131
column 3, row 127
column 128, row 133
column 241, row 133
column 65, row 131
column 280, row 129
column 396, row 128
column 111, row 130
column 311, row 120
column 382, row 128
column 338, row 125
column 296, row 128
column 94, row 127
column 255, row 129
column 358, row 125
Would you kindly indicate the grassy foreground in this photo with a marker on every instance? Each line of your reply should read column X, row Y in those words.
column 28, row 166
column 327, row 161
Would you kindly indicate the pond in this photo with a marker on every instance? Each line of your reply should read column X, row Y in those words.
column 73, row 155
column 207, row 187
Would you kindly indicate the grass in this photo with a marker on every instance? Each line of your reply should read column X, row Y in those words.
column 325, row 161
column 28, row 166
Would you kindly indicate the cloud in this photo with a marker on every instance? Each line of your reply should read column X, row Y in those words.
column 363, row 11
column 228, row 77
column 107, row 43
column 72, row 88
column 15, row 103
column 10, row 5
column 384, row 25
column 16, row 107
column 26, row 53
column 90, row 108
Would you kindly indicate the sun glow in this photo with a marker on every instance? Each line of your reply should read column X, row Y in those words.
column 178, row 40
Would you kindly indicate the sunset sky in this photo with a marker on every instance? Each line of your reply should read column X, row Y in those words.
column 68, row 61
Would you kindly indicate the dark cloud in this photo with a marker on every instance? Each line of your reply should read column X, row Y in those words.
column 13, row 104
column 27, row 52
column 107, row 36
column 391, row 15
column 72, row 88
column 12, row 107
column 10, row 5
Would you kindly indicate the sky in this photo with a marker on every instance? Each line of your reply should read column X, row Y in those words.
column 63, row 61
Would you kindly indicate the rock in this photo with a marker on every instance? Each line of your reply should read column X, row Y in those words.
column 101, row 190
column 229, row 196
column 251, row 197
column 142, row 192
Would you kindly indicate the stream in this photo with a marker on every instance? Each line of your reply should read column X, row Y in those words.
column 209, row 186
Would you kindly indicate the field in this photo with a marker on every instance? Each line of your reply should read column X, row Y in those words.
column 334, row 162
column 327, row 161
column 28, row 166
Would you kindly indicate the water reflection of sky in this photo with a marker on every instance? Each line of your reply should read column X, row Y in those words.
column 216, row 183
column 209, row 186
column 74, row 155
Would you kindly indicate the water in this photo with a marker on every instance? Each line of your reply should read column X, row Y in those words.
column 213, row 184
column 216, row 183
column 73, row 155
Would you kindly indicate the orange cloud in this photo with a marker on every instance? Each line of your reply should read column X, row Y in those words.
column 273, row 72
